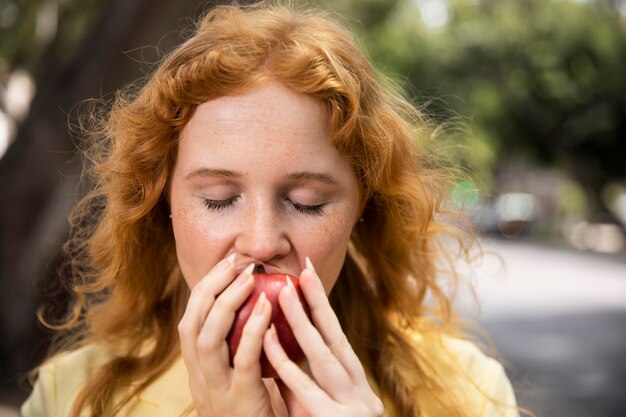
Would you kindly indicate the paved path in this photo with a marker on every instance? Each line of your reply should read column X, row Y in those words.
column 558, row 318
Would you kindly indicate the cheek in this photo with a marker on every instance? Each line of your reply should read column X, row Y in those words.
column 189, row 246
column 328, row 247
column 200, row 245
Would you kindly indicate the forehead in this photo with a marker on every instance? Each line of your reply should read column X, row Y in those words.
column 268, row 102
column 269, row 122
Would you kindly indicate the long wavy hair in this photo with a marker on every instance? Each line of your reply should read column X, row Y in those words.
column 127, row 287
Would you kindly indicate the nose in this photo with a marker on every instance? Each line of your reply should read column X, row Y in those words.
column 263, row 235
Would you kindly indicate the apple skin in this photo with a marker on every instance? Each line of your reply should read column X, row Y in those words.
column 270, row 284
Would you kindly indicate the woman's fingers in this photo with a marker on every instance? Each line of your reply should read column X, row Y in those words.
column 208, row 318
column 203, row 294
column 327, row 323
column 216, row 388
column 211, row 343
column 340, row 386
column 326, row 369
column 304, row 389
column 247, row 365
column 199, row 304
column 219, row 320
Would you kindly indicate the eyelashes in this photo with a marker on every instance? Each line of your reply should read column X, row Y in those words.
column 217, row 205
column 314, row 210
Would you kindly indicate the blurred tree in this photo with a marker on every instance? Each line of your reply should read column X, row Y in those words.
column 363, row 14
column 34, row 31
column 75, row 51
column 543, row 79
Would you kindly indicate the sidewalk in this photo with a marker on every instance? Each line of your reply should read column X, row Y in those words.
column 523, row 279
column 557, row 318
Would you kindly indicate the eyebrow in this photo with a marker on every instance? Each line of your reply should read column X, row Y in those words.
column 211, row 172
column 302, row 176
column 305, row 176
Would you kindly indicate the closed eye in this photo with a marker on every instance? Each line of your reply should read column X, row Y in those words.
column 315, row 210
column 219, row 204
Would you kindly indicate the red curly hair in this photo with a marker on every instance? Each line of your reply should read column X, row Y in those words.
column 127, row 285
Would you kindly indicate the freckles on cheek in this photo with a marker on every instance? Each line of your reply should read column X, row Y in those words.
column 202, row 240
column 330, row 247
column 183, row 249
column 191, row 249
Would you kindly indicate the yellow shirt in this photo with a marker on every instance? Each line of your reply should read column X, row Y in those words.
column 61, row 379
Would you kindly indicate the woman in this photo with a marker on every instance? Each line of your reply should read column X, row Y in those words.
column 265, row 140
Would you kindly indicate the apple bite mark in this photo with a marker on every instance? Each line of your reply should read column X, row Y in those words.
column 271, row 285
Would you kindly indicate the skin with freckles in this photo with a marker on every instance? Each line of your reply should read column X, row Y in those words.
column 257, row 175
column 258, row 182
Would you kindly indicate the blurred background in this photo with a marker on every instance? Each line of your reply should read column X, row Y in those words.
column 531, row 97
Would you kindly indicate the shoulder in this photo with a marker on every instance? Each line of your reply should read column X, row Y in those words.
column 89, row 357
column 476, row 378
column 63, row 376
column 481, row 367
column 72, row 368
column 60, row 379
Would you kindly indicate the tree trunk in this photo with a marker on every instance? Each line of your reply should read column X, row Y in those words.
column 39, row 175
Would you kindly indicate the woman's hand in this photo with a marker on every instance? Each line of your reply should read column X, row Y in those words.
column 217, row 388
column 339, row 385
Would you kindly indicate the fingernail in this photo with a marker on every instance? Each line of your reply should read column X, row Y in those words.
column 248, row 270
column 244, row 279
column 309, row 264
column 292, row 288
column 226, row 262
column 246, row 275
column 260, row 305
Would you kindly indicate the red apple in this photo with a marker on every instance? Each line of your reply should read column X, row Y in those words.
column 270, row 284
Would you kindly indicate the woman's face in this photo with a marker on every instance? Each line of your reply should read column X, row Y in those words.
column 257, row 175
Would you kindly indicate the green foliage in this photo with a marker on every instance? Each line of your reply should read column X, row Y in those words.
column 17, row 31
column 539, row 78
column 33, row 31
column 362, row 13
column 542, row 79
